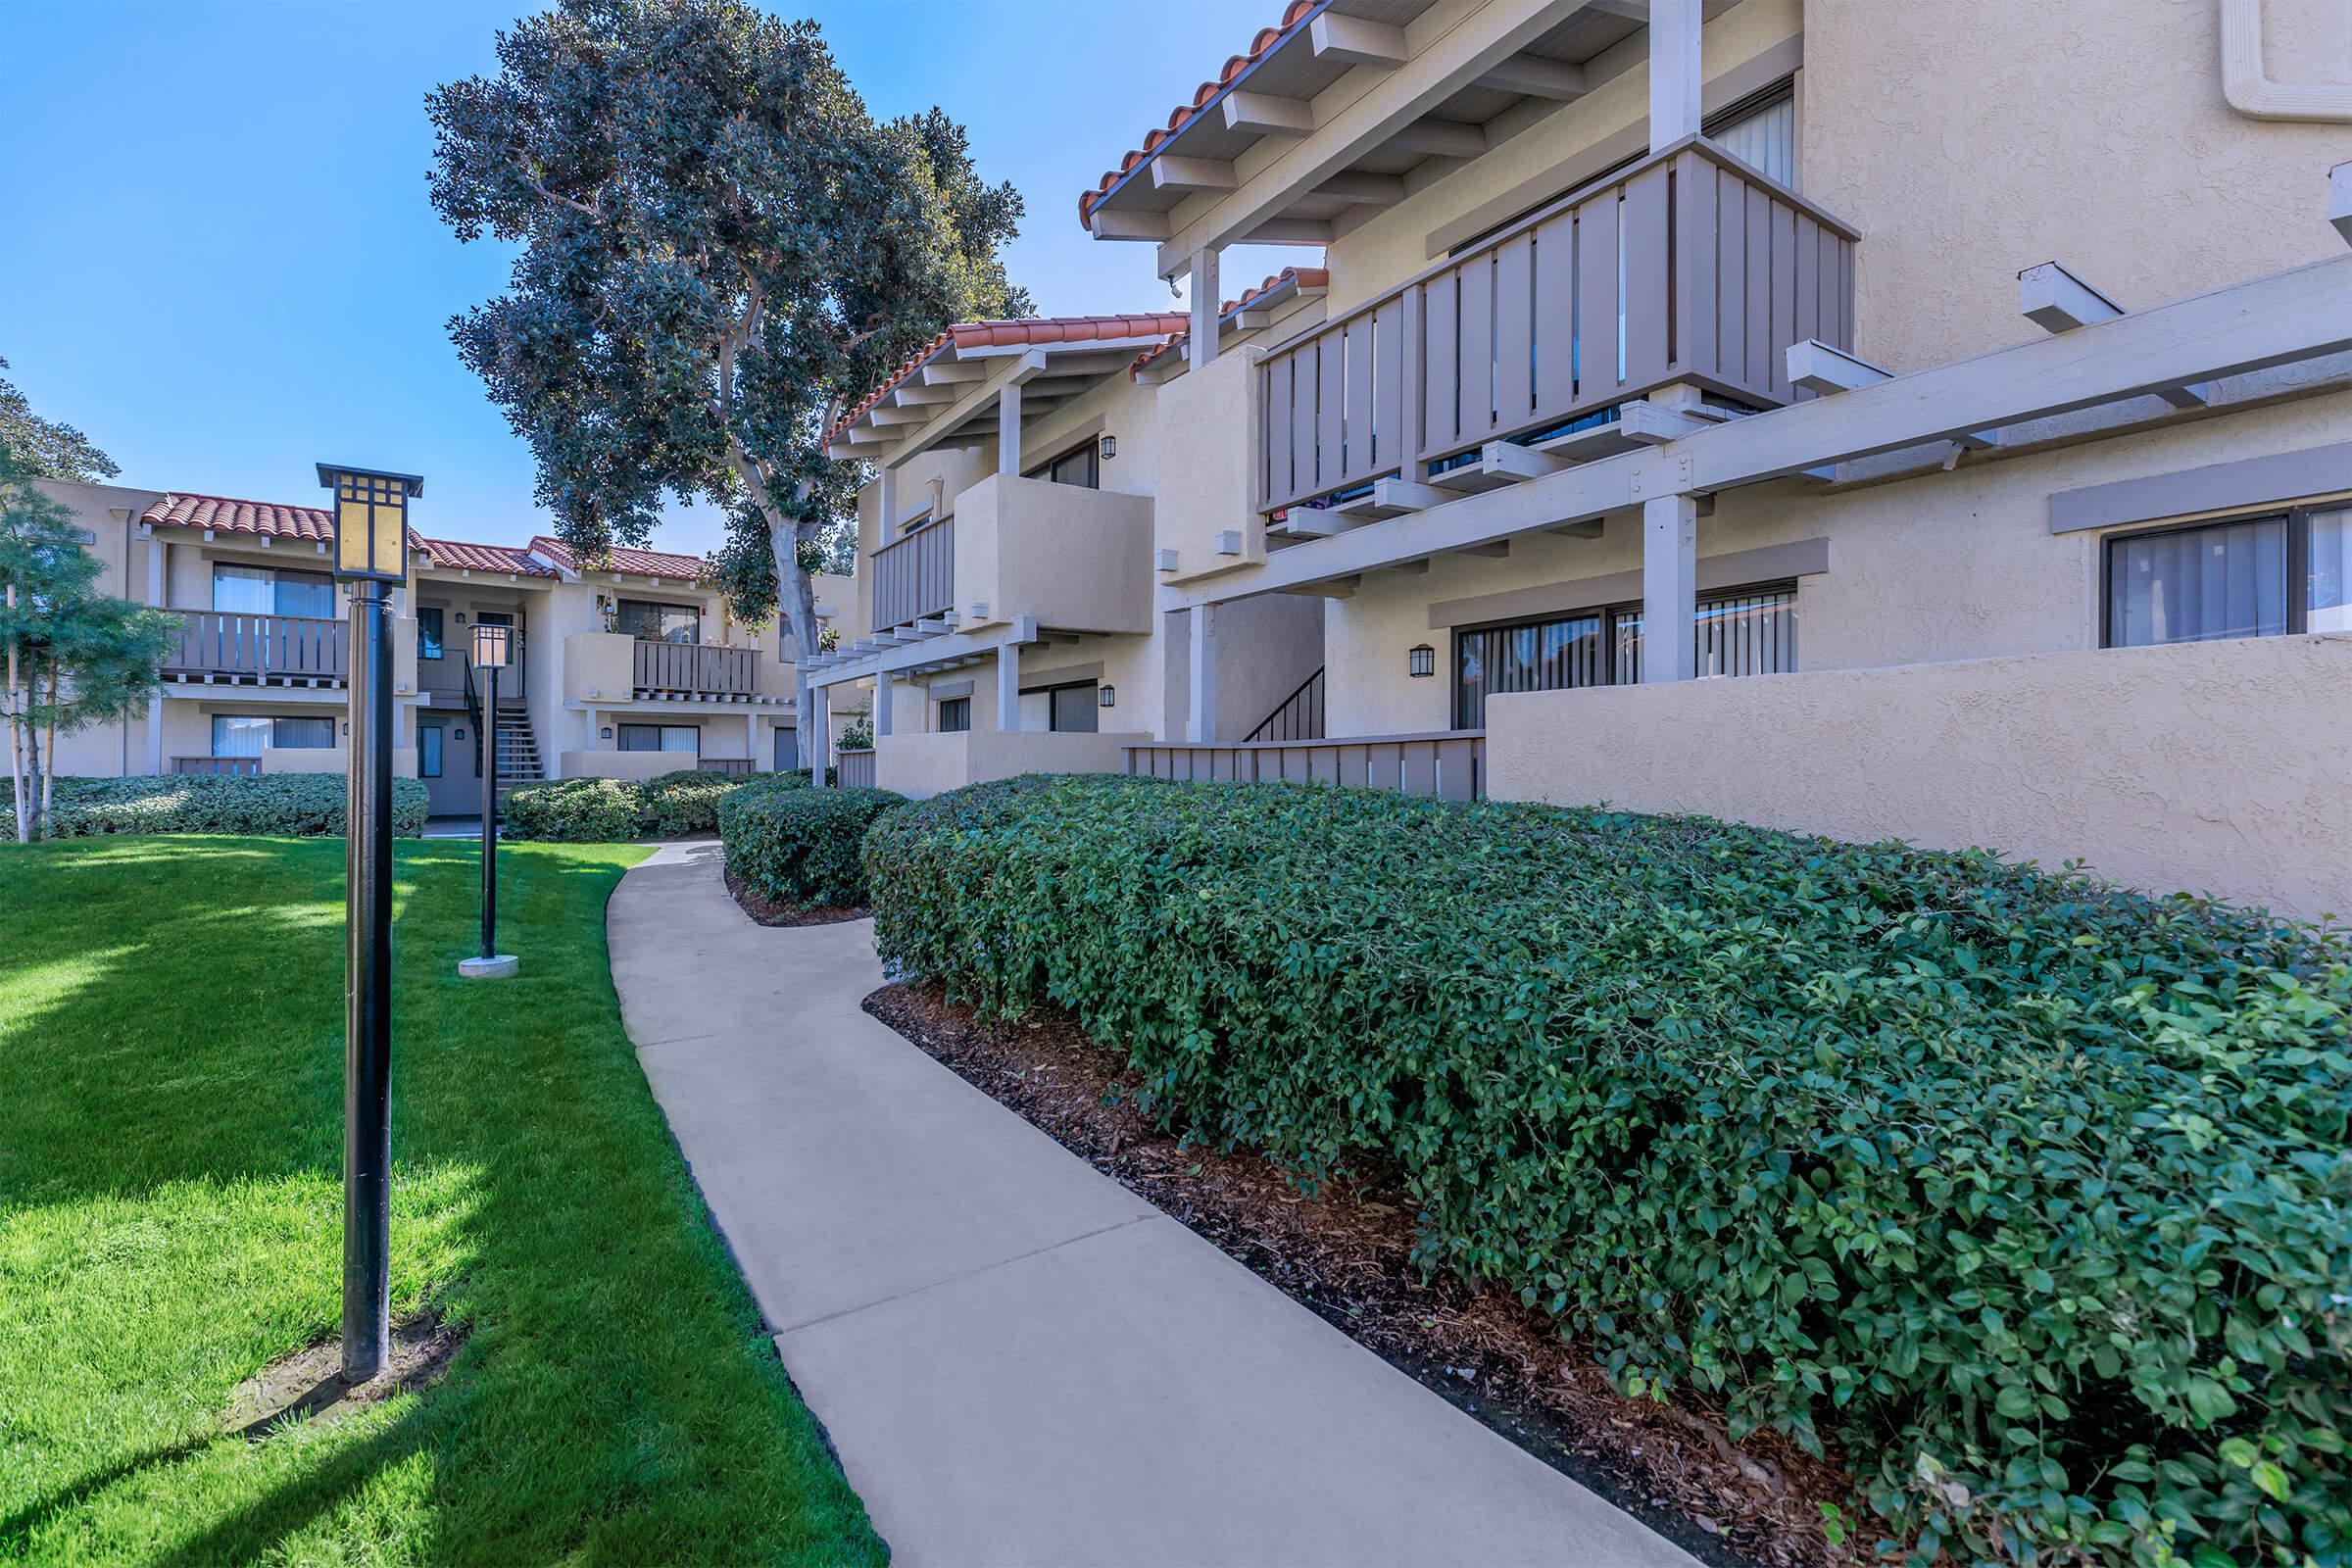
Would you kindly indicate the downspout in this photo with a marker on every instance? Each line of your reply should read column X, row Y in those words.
column 2253, row 95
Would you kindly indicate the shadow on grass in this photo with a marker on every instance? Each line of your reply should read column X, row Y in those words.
column 616, row 1399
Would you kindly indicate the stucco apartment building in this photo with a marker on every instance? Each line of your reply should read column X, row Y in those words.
column 1969, row 380
column 626, row 668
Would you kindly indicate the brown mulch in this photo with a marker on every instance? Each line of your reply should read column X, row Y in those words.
column 768, row 911
column 1344, row 1254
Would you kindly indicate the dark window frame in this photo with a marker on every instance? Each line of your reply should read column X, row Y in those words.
column 620, row 737
column 1091, row 446
column 431, row 645
column 621, row 608
column 962, row 708
column 1609, row 616
column 437, row 753
column 2298, row 568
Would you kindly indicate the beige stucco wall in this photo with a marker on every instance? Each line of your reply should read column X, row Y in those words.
column 1941, row 567
column 1072, row 558
column 1209, row 458
column 922, row 766
column 2220, row 768
column 1974, row 138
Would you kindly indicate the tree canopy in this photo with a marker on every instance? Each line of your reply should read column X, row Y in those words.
column 43, row 449
column 720, row 248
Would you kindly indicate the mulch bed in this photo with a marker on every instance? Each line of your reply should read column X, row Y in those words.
column 1344, row 1254
column 768, row 911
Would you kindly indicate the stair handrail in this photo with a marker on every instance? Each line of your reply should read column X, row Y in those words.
column 1314, row 726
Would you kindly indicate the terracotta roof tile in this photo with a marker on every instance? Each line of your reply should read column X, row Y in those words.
column 632, row 563
column 455, row 555
column 1294, row 15
column 1304, row 277
column 998, row 334
column 267, row 519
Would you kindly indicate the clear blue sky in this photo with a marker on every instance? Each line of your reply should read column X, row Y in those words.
column 178, row 276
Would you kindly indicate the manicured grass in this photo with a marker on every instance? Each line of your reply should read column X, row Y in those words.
column 171, row 1187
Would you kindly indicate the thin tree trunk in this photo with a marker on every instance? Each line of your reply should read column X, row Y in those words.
column 18, row 784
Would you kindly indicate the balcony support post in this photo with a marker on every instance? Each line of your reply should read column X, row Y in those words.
column 886, row 505
column 1201, row 713
column 1200, row 346
column 819, row 739
column 885, row 684
column 1008, row 685
column 1669, row 587
column 1674, row 71
column 159, row 576
column 1008, row 428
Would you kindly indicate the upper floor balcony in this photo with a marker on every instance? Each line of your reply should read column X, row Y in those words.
column 1689, row 266
column 615, row 668
column 216, row 645
column 1073, row 558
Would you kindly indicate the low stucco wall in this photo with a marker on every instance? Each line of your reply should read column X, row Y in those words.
column 922, row 766
column 331, row 759
column 2221, row 768
column 638, row 766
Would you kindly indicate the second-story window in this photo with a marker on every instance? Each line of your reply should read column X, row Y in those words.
column 1761, row 132
column 1081, row 466
column 428, row 631
column 657, row 623
column 272, row 591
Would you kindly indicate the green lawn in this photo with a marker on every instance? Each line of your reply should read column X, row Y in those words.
column 170, row 1187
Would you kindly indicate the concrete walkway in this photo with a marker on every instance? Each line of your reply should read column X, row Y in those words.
column 1020, row 1361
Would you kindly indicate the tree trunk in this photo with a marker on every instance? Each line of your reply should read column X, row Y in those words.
column 17, row 717
column 796, row 605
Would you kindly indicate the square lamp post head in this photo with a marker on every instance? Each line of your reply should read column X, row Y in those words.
column 371, row 521
column 492, row 647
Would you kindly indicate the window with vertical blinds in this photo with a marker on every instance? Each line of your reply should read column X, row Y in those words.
column 2264, row 577
column 1748, row 632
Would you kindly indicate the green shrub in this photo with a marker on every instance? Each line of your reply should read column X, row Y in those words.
column 575, row 811
column 802, row 846
column 2033, row 1195
column 685, row 801
column 295, row 804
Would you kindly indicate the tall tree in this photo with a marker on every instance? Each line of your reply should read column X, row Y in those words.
column 720, row 248
column 75, row 657
column 44, row 448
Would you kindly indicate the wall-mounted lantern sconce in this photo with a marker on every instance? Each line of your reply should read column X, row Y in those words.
column 1107, row 695
column 605, row 734
column 1110, row 450
column 1422, row 661
column 457, row 734
column 347, row 728
column 461, row 618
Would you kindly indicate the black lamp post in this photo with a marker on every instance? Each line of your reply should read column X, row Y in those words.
column 493, row 651
column 371, row 520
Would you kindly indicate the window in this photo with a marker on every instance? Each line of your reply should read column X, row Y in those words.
column 1074, row 709
column 270, row 591
column 1761, row 132
column 1751, row 631
column 252, row 734
column 955, row 715
column 428, row 631
column 686, row 738
column 1080, row 465
column 788, row 751
column 2248, row 578
column 659, row 622
column 428, row 750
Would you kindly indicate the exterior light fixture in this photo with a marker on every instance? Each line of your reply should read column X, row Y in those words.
column 1110, row 450
column 1107, row 695
column 371, row 539
column 493, row 651
column 461, row 618
column 1422, row 661
column 605, row 734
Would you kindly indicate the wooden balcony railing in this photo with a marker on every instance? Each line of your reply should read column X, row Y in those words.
column 234, row 767
column 696, row 669
column 1449, row 764
column 1688, row 267
column 915, row 577
column 730, row 765
column 853, row 770
column 250, row 647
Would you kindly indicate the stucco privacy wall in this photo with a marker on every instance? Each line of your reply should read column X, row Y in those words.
column 2221, row 768
column 922, row 766
column 1941, row 567
column 1971, row 138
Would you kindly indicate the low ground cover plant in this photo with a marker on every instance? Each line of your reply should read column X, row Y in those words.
column 802, row 846
column 2033, row 1195
column 603, row 811
column 295, row 804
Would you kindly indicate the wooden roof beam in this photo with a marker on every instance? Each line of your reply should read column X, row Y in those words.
column 1191, row 174
column 1354, row 41
column 1537, row 79
column 1265, row 114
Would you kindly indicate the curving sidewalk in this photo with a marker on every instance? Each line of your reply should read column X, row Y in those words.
column 1020, row 1361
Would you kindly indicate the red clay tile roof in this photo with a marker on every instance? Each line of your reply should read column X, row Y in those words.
column 997, row 335
column 1294, row 16
column 267, row 519
column 455, row 555
column 634, row 563
column 1304, row 277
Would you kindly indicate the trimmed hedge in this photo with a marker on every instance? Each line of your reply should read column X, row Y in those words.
column 294, row 804
column 802, row 846
column 2032, row 1193
column 601, row 810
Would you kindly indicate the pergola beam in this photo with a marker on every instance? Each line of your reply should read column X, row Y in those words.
column 1169, row 172
column 1265, row 114
column 1537, row 79
column 1354, row 41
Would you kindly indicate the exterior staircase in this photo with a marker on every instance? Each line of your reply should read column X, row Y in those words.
column 519, row 761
